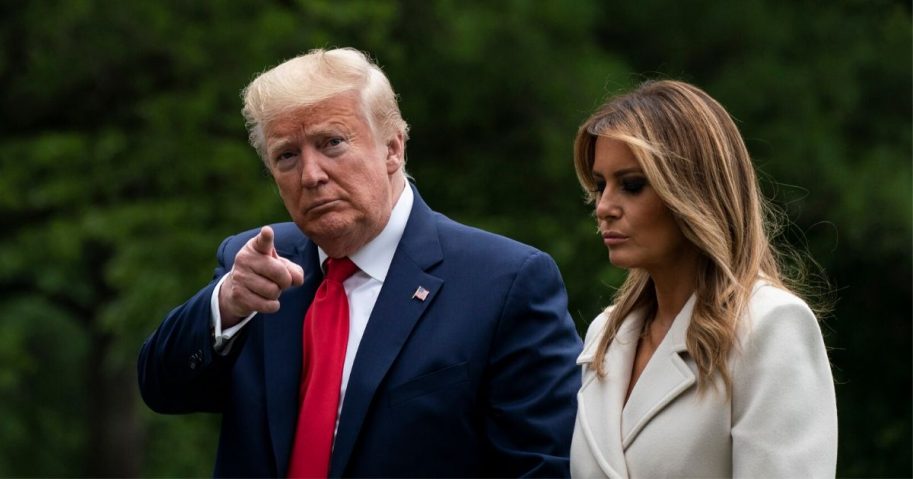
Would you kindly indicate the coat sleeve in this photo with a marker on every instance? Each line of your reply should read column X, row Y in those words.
column 178, row 369
column 784, row 413
column 533, row 380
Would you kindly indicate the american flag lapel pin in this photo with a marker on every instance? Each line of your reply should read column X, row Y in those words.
column 420, row 294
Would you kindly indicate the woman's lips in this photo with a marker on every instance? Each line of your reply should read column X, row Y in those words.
column 612, row 238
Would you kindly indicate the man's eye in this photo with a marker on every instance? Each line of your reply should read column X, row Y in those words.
column 633, row 185
column 286, row 159
column 334, row 142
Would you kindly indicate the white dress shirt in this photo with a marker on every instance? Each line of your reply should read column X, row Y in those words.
column 362, row 288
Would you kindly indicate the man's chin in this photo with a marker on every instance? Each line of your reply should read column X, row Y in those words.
column 329, row 229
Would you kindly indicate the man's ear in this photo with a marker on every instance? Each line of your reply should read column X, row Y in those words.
column 396, row 153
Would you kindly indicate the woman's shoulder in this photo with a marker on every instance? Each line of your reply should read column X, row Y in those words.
column 775, row 312
column 768, row 298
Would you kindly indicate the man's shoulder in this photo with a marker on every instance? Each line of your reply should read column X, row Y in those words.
column 469, row 241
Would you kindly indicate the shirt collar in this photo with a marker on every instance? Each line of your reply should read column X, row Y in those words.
column 374, row 258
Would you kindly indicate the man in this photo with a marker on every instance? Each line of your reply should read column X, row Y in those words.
column 372, row 336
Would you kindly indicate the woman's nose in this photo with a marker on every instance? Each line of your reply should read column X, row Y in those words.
column 607, row 207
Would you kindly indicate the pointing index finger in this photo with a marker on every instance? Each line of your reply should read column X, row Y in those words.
column 263, row 242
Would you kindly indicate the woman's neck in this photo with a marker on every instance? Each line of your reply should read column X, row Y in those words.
column 673, row 287
column 670, row 299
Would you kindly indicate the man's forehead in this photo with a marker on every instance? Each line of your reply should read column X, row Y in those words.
column 341, row 110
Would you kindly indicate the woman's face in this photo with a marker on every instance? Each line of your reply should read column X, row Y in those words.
column 636, row 226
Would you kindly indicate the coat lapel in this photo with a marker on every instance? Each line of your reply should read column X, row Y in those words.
column 600, row 400
column 394, row 315
column 665, row 377
column 282, row 354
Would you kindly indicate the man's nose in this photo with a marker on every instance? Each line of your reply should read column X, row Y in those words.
column 312, row 172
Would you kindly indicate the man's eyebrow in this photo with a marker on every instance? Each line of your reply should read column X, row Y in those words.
column 331, row 127
column 321, row 131
column 284, row 136
column 275, row 143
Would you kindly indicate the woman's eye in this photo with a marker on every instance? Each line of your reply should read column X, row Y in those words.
column 633, row 185
column 598, row 187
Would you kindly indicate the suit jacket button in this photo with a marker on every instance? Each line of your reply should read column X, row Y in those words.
column 196, row 358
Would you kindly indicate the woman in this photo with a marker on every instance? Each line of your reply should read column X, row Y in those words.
column 705, row 365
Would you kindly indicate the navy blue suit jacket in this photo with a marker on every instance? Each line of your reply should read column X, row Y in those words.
column 479, row 379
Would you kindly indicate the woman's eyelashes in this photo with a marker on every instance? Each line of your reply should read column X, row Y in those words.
column 629, row 185
column 633, row 184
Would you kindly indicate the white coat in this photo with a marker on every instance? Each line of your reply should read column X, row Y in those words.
column 780, row 421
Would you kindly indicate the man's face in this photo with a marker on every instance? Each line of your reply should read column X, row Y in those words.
column 339, row 180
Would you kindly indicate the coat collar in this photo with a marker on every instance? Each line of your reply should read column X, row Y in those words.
column 608, row 433
column 600, row 399
column 665, row 377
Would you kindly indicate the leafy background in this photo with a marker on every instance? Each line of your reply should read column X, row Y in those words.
column 124, row 162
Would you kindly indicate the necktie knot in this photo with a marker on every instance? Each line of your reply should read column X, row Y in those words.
column 339, row 269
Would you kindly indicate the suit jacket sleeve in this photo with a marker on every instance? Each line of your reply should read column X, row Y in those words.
column 531, row 397
column 178, row 369
column 783, row 406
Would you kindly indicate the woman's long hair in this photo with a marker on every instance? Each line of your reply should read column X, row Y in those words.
column 695, row 159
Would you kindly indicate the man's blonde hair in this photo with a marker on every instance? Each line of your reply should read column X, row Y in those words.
column 316, row 76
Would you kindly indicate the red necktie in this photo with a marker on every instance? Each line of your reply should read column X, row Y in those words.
column 326, row 334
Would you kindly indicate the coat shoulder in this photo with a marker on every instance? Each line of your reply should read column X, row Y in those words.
column 487, row 248
column 766, row 297
column 773, row 307
column 778, row 324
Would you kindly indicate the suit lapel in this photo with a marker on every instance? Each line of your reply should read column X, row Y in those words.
column 394, row 315
column 665, row 377
column 600, row 400
column 282, row 355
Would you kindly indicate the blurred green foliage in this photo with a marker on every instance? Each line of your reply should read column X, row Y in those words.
column 124, row 162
